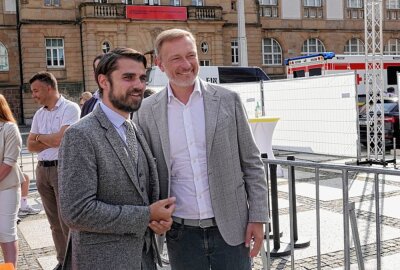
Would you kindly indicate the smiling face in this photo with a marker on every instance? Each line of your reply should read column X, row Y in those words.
column 40, row 92
column 124, row 88
column 178, row 59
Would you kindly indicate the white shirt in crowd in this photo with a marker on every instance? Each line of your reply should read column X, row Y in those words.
column 187, row 138
column 45, row 121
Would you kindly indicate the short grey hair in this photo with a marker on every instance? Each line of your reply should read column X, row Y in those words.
column 169, row 35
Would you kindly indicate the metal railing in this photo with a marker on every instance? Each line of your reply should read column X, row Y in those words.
column 349, row 217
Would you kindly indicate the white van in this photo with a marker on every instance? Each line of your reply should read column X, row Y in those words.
column 212, row 74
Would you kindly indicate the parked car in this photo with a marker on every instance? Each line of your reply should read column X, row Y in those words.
column 391, row 110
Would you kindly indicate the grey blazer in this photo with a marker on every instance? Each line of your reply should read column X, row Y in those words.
column 235, row 171
column 100, row 197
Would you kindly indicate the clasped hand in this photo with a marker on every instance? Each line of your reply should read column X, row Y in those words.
column 161, row 215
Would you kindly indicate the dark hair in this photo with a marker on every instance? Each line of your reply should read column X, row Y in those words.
column 45, row 77
column 148, row 92
column 98, row 57
column 108, row 63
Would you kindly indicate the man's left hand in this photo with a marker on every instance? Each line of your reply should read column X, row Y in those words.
column 162, row 226
column 255, row 232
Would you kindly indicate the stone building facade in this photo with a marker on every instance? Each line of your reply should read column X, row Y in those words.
column 63, row 36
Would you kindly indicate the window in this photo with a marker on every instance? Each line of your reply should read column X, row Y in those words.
column 101, row 1
column 235, row 52
column 393, row 9
column 392, row 47
column 272, row 52
column 355, row 4
column 129, row 2
column 10, row 6
column 233, row 5
column 354, row 46
column 312, row 3
column 197, row 3
column 269, row 8
column 55, row 52
column 3, row 58
column 269, row 2
column 393, row 4
column 175, row 3
column 312, row 45
column 151, row 2
column 314, row 72
column 204, row 47
column 312, row 9
column 52, row 3
column 205, row 62
column 105, row 47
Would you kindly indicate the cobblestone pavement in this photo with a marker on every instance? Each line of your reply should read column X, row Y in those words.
column 37, row 250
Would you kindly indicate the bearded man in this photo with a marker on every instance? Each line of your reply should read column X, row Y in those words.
column 109, row 186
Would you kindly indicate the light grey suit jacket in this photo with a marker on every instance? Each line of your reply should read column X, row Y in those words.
column 235, row 171
column 100, row 197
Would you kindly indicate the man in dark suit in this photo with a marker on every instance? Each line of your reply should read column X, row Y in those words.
column 90, row 104
column 206, row 158
column 109, row 186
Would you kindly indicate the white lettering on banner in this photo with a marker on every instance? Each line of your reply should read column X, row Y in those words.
column 211, row 80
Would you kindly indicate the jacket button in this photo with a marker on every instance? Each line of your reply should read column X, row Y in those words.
column 142, row 188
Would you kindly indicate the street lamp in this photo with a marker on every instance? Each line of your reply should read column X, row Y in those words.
column 242, row 40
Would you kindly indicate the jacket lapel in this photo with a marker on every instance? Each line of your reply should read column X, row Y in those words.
column 211, row 108
column 119, row 147
column 161, row 118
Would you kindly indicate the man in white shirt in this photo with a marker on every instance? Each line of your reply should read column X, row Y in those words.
column 207, row 159
column 48, row 127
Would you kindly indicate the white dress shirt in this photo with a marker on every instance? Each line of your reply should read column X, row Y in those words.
column 187, row 137
column 116, row 119
column 64, row 113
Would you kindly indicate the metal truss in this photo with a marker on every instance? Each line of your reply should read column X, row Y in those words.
column 374, row 80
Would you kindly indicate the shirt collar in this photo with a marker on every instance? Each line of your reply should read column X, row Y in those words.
column 116, row 119
column 196, row 89
column 59, row 102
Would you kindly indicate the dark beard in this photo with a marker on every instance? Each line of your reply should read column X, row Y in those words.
column 123, row 105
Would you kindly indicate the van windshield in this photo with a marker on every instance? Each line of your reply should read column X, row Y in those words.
column 241, row 74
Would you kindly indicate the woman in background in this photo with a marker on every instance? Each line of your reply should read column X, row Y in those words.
column 11, row 178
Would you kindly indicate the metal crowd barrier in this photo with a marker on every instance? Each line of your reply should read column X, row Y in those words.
column 27, row 162
column 348, row 209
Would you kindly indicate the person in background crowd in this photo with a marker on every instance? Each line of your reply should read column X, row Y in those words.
column 48, row 127
column 89, row 105
column 11, row 178
column 148, row 92
column 26, row 209
column 109, row 186
column 85, row 96
column 207, row 159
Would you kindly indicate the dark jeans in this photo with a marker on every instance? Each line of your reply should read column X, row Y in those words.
column 195, row 248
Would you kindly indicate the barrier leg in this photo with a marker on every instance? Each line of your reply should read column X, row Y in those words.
column 284, row 249
column 356, row 237
column 298, row 243
column 270, row 233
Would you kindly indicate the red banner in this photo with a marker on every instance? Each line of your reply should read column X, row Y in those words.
column 156, row 13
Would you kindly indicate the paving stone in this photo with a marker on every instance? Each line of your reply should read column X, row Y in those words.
column 331, row 232
column 37, row 233
column 48, row 262
column 388, row 207
column 388, row 263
